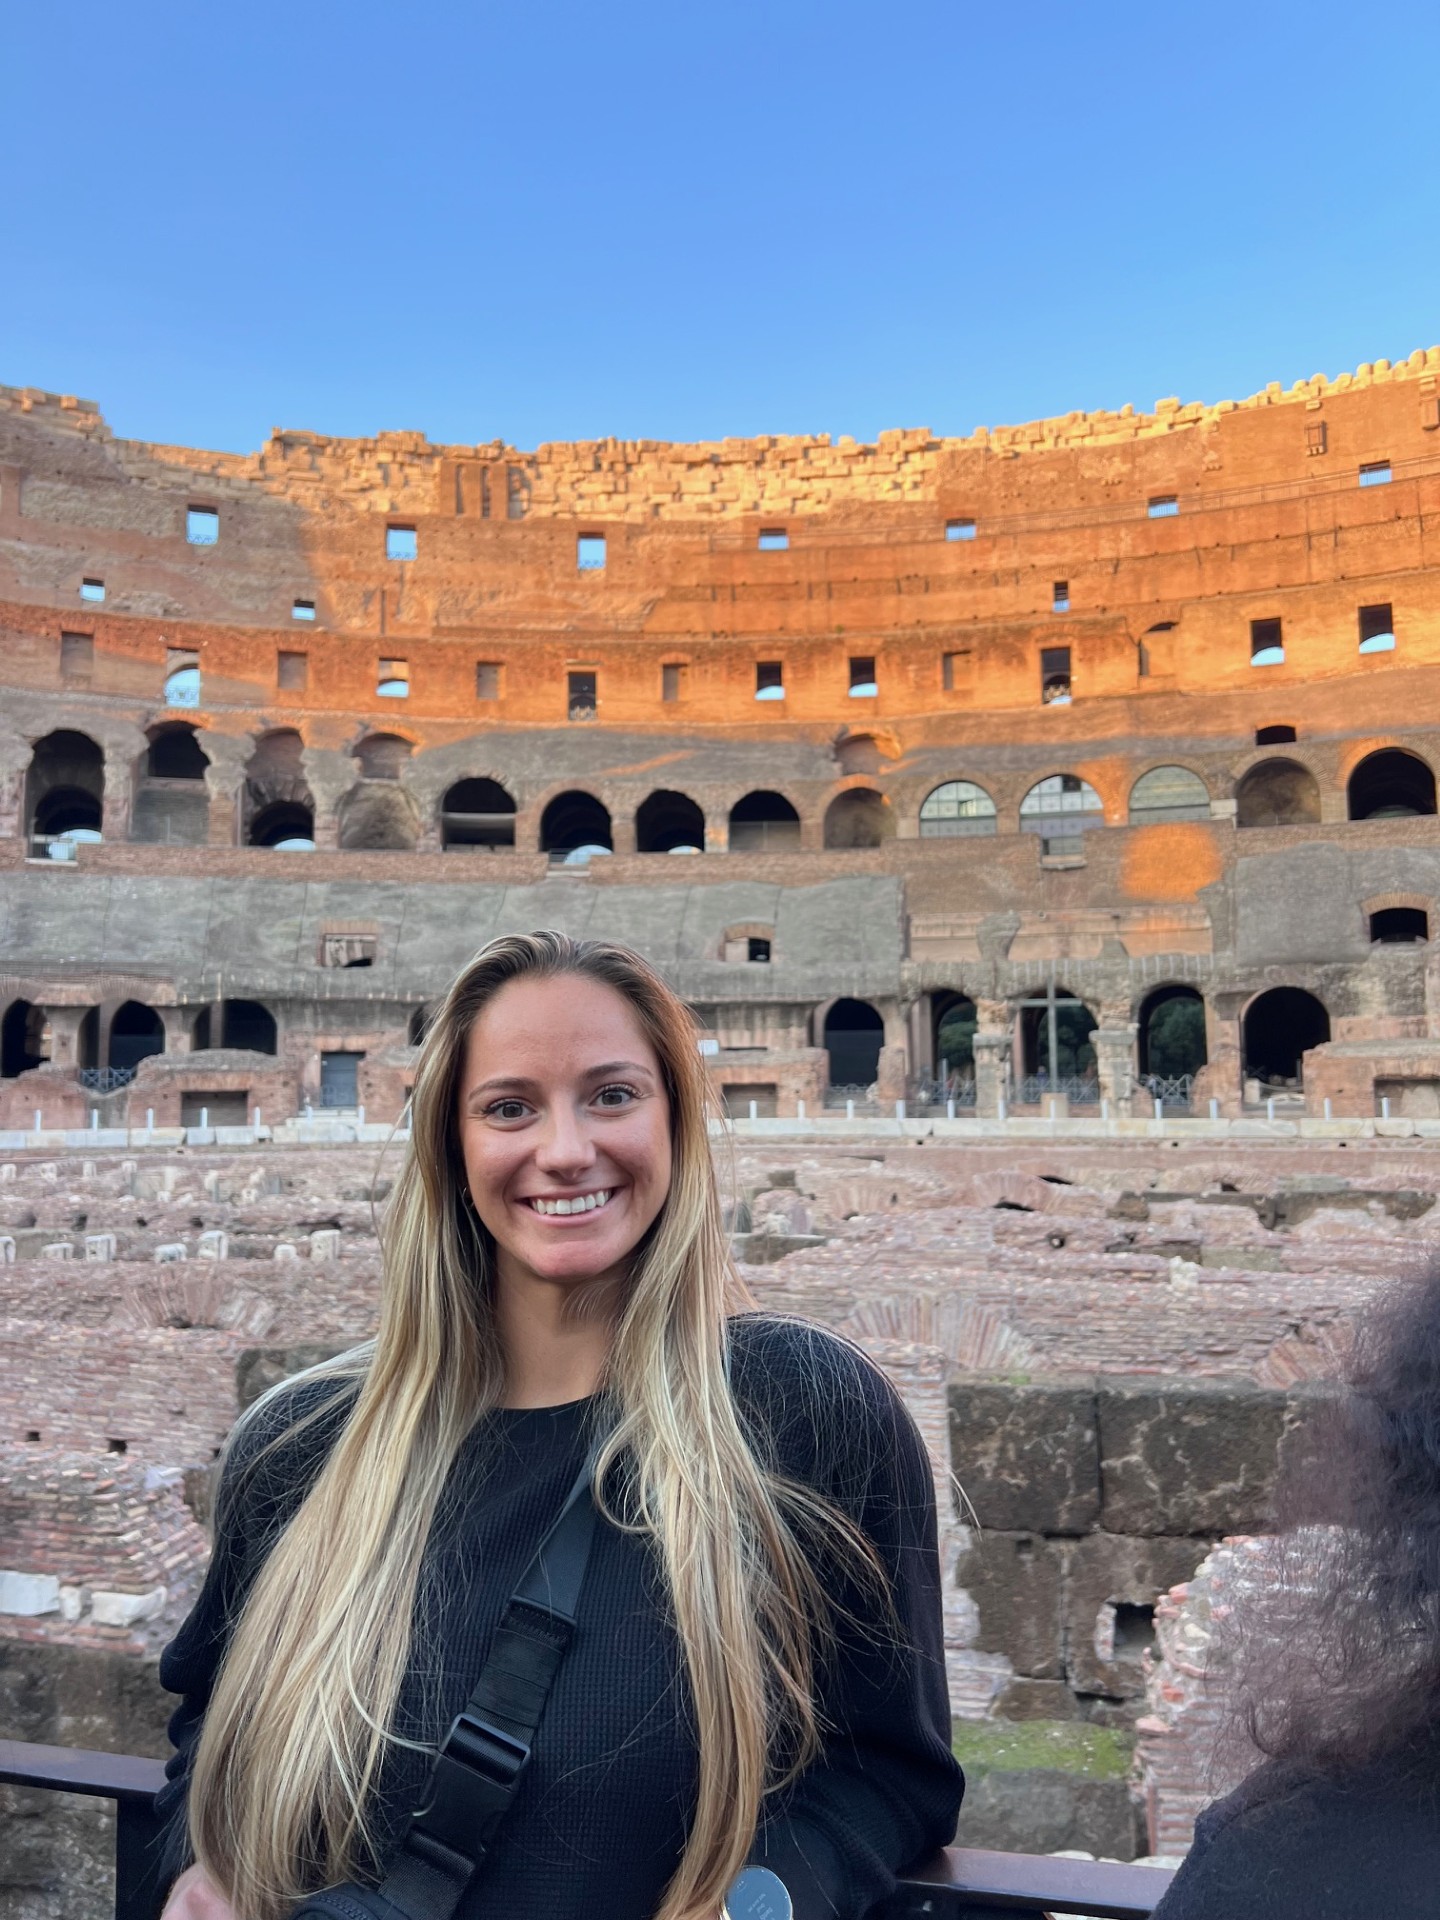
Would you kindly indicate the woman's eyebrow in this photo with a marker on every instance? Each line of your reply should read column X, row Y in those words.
column 518, row 1083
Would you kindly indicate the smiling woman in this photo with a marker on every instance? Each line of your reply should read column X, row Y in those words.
column 752, row 1676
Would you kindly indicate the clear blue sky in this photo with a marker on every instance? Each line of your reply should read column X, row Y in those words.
column 659, row 218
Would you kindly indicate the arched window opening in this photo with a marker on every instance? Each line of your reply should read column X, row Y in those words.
column 88, row 1049
column 1060, row 808
column 1277, row 793
column 1399, row 926
column 1172, row 1034
column 574, row 827
column 382, row 756
column 669, row 823
column 477, row 813
column 1391, row 785
column 957, row 809
column 857, row 819
column 378, row 816
column 172, row 802
column 136, row 1032
column 1055, row 1046
column 24, row 1041
column 182, row 685
column 953, row 1019
column 1168, row 793
column 854, row 1035
column 284, row 825
column 279, row 810
column 417, row 1026
column 175, row 754
column 243, row 1023
column 764, row 823
column 64, row 793
column 1279, row 1028
column 859, row 753
column 1280, row 735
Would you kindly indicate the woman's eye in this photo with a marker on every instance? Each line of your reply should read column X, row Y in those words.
column 616, row 1096
column 506, row 1110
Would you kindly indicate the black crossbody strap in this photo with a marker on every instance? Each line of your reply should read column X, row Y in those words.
column 477, row 1770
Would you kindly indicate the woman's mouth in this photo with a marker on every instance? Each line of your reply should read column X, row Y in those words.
column 578, row 1203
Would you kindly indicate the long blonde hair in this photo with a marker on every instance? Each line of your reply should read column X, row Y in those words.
column 300, row 1720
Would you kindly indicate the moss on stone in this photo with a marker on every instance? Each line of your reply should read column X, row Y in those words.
column 1060, row 1746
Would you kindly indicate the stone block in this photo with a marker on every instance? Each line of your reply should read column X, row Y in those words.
column 1112, row 1584
column 173, row 1250
column 260, row 1368
column 286, row 1252
column 88, row 1170
column 99, row 1246
column 1027, row 1455
column 73, row 1602
column 7, row 1250
column 110, row 1609
column 1015, row 1581
column 1195, row 1457
column 29, row 1593
column 57, row 1250
column 1037, row 1700
column 325, row 1243
column 7, row 1172
column 213, row 1244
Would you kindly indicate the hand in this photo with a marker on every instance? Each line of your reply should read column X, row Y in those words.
column 195, row 1896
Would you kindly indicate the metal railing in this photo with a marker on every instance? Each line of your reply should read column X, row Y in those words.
column 961, row 1883
column 933, row 1096
column 104, row 1079
column 863, row 1099
column 1035, row 1090
column 1173, row 1093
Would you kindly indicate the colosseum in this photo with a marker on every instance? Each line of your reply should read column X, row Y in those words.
column 1060, row 801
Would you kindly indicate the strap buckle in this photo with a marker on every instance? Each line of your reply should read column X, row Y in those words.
column 480, row 1744
column 473, row 1782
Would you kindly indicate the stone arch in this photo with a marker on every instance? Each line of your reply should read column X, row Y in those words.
column 1170, row 1032
column 278, row 807
column 854, row 1033
column 1277, row 793
column 175, row 752
column 172, row 800
column 246, row 1024
column 573, row 821
column 667, row 822
column 382, row 756
column 858, row 818
column 136, row 1032
column 378, row 816
column 764, row 822
column 953, row 1019
column 955, row 809
column 477, row 813
column 859, row 753
column 22, row 1039
column 65, row 787
column 1060, row 808
column 1397, row 919
column 1390, row 784
column 1277, row 1029
column 1168, row 793
column 1074, row 1052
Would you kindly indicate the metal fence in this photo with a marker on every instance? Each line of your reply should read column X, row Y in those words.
column 931, row 1097
column 1037, row 1088
column 1174, row 1094
column 104, row 1079
column 863, row 1098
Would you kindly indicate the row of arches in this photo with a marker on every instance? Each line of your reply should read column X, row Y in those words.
column 65, row 792
column 132, row 1033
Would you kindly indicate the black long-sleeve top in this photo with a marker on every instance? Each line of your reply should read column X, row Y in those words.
column 603, row 1810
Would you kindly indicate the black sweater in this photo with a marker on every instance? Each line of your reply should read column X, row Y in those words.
column 1286, row 1845
column 603, row 1809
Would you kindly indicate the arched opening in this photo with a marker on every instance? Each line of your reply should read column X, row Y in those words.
column 859, row 818
column 378, row 816
column 279, row 809
column 575, row 825
column 285, row 825
column 957, row 809
column 136, row 1032
column 88, row 1048
column 953, row 1018
column 22, row 1039
column 175, row 753
column 669, row 823
column 763, row 822
column 172, row 803
column 64, row 792
column 1390, row 785
column 859, row 753
column 382, row 756
column 1277, row 793
column 1060, row 808
column 1171, row 1036
column 1055, row 1045
column 1168, row 793
column 854, row 1035
column 477, row 813
column 1279, row 1028
column 243, row 1023
column 1399, row 926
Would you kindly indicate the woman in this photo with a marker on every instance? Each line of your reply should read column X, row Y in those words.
column 757, row 1669
column 1340, row 1681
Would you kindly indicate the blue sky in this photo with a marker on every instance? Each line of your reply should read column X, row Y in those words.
column 540, row 221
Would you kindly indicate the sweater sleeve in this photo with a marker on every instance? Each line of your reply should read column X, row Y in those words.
column 885, row 1789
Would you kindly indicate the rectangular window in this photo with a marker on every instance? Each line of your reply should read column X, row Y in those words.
column 672, row 683
column 202, row 526
column 590, row 553
column 757, row 951
column 1376, row 473
column 392, row 681
column 773, row 540
column 863, row 684
column 1055, row 676
column 292, row 672
column 302, row 610
column 1060, row 597
column 77, row 659
column 1267, row 643
column 959, row 529
column 182, row 677
column 581, row 695
column 1316, row 438
column 769, row 680
column 1163, row 506
column 1377, row 629
column 487, row 680
column 400, row 543
column 92, row 590
column 347, row 949
column 957, row 671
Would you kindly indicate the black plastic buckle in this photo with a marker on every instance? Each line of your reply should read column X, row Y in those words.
column 473, row 1782
column 479, row 1744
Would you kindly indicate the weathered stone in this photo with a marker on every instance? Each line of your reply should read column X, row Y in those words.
column 1188, row 1457
column 261, row 1368
column 111, row 1609
column 29, row 1593
column 1027, row 1454
column 1014, row 1580
column 172, row 1251
column 1112, row 1585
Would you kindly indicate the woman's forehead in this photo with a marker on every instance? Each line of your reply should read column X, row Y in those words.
column 565, row 1020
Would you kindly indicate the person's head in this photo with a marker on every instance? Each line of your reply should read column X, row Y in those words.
column 554, row 1070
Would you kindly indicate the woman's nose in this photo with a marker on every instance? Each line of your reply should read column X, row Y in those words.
column 566, row 1143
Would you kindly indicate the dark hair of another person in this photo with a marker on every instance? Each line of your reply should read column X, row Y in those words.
column 1345, row 1670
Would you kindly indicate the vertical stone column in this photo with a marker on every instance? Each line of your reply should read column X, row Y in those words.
column 1115, row 1065
column 177, row 1023
column 622, row 829
column 64, row 1024
column 992, row 1071
column 119, row 796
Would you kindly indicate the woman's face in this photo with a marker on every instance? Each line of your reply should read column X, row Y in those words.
column 565, row 1129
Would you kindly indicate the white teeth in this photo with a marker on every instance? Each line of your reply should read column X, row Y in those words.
column 582, row 1203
